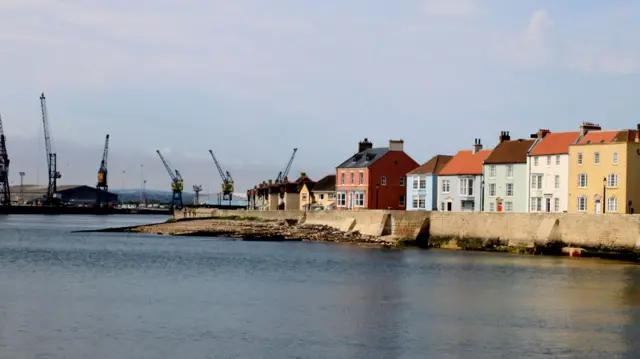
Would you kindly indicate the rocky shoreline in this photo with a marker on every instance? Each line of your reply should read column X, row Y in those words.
column 251, row 229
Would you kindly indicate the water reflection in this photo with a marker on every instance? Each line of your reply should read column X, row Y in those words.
column 631, row 298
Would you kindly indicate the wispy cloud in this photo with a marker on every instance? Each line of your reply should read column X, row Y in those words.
column 529, row 48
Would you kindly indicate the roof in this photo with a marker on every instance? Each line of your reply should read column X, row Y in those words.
column 326, row 184
column 433, row 166
column 310, row 185
column 554, row 143
column 365, row 158
column 32, row 188
column 510, row 152
column 465, row 162
column 598, row 137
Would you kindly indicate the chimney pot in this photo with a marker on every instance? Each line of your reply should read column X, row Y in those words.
column 364, row 145
column 477, row 146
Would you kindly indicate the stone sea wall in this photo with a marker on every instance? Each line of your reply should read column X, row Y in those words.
column 458, row 229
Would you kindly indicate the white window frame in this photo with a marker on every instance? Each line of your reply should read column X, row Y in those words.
column 612, row 204
column 358, row 199
column 556, row 182
column 342, row 178
column 492, row 171
column 353, row 178
column 422, row 201
column 466, row 190
column 557, row 160
column 508, row 206
column 509, row 171
column 582, row 176
column 492, row 189
column 614, row 160
column 612, row 180
column 446, row 186
column 535, row 161
column 535, row 204
column 579, row 158
column 361, row 178
column 415, row 180
column 536, row 181
column 305, row 196
column 548, row 160
column 423, row 182
column 581, row 204
column 556, row 204
column 492, row 207
column 341, row 199
column 414, row 201
column 509, row 190
column 383, row 180
column 332, row 196
column 596, row 158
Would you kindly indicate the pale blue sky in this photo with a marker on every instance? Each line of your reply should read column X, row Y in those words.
column 252, row 79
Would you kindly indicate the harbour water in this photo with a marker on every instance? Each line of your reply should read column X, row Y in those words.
column 118, row 295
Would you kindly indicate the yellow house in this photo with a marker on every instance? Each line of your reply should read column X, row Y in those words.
column 604, row 170
column 321, row 193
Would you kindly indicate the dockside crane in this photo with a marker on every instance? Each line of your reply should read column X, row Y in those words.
column 177, row 184
column 227, row 180
column 5, row 201
column 103, row 184
column 197, row 189
column 52, row 197
column 282, row 175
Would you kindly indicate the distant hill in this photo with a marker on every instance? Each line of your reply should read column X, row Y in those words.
column 156, row 196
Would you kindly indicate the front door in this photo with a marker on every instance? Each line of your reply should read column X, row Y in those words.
column 548, row 205
column 598, row 207
column 448, row 206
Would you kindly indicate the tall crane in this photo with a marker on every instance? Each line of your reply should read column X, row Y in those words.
column 227, row 180
column 5, row 194
column 103, row 184
column 282, row 175
column 197, row 189
column 177, row 184
column 52, row 198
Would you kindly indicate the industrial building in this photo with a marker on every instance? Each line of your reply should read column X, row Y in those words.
column 71, row 194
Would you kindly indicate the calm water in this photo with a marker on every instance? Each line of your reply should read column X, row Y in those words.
column 123, row 296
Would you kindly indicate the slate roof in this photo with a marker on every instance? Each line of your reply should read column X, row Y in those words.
column 512, row 151
column 555, row 144
column 433, row 166
column 365, row 158
column 465, row 162
column 326, row 184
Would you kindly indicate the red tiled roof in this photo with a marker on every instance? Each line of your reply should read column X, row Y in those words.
column 465, row 163
column 598, row 137
column 555, row 143
column 433, row 166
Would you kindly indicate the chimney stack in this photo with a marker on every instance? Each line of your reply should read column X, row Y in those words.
column 270, row 182
column 364, row 145
column 588, row 126
column 396, row 145
column 637, row 138
column 504, row 136
column 542, row 132
column 477, row 146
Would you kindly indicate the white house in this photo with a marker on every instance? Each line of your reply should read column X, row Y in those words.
column 548, row 170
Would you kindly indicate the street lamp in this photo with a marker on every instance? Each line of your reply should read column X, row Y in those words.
column 377, row 188
column 604, row 193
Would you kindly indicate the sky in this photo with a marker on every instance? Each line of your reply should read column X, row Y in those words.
column 251, row 80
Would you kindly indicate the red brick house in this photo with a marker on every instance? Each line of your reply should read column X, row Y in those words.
column 374, row 178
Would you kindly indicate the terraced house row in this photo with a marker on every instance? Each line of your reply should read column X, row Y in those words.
column 588, row 171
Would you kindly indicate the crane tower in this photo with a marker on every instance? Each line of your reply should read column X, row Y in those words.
column 227, row 180
column 282, row 175
column 177, row 184
column 103, row 184
column 5, row 195
column 52, row 197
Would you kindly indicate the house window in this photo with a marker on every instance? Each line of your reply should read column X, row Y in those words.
column 492, row 171
column 508, row 206
column 492, row 207
column 548, row 160
column 422, row 203
column 615, row 158
column 332, row 196
column 492, row 189
column 556, row 204
column 414, row 201
column 342, row 199
column 361, row 175
column 423, row 182
column 353, row 178
column 415, row 182
column 446, row 185
column 535, row 161
column 582, row 204
column 556, row 182
column 304, row 196
column 321, row 196
column 536, row 181
column 342, row 178
column 557, row 160
column 582, row 180
column 509, row 189
column 402, row 181
column 579, row 158
column 383, row 180
column 442, row 206
column 359, row 199
column 536, row 204
column 612, row 204
column 466, row 186
column 401, row 201
column 509, row 171
column 596, row 158
column 612, row 180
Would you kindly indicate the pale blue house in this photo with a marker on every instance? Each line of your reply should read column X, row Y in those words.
column 422, row 184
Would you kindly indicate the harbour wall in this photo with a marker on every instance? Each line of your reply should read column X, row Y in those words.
column 453, row 229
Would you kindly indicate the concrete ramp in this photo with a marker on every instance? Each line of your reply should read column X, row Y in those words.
column 548, row 230
column 348, row 224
